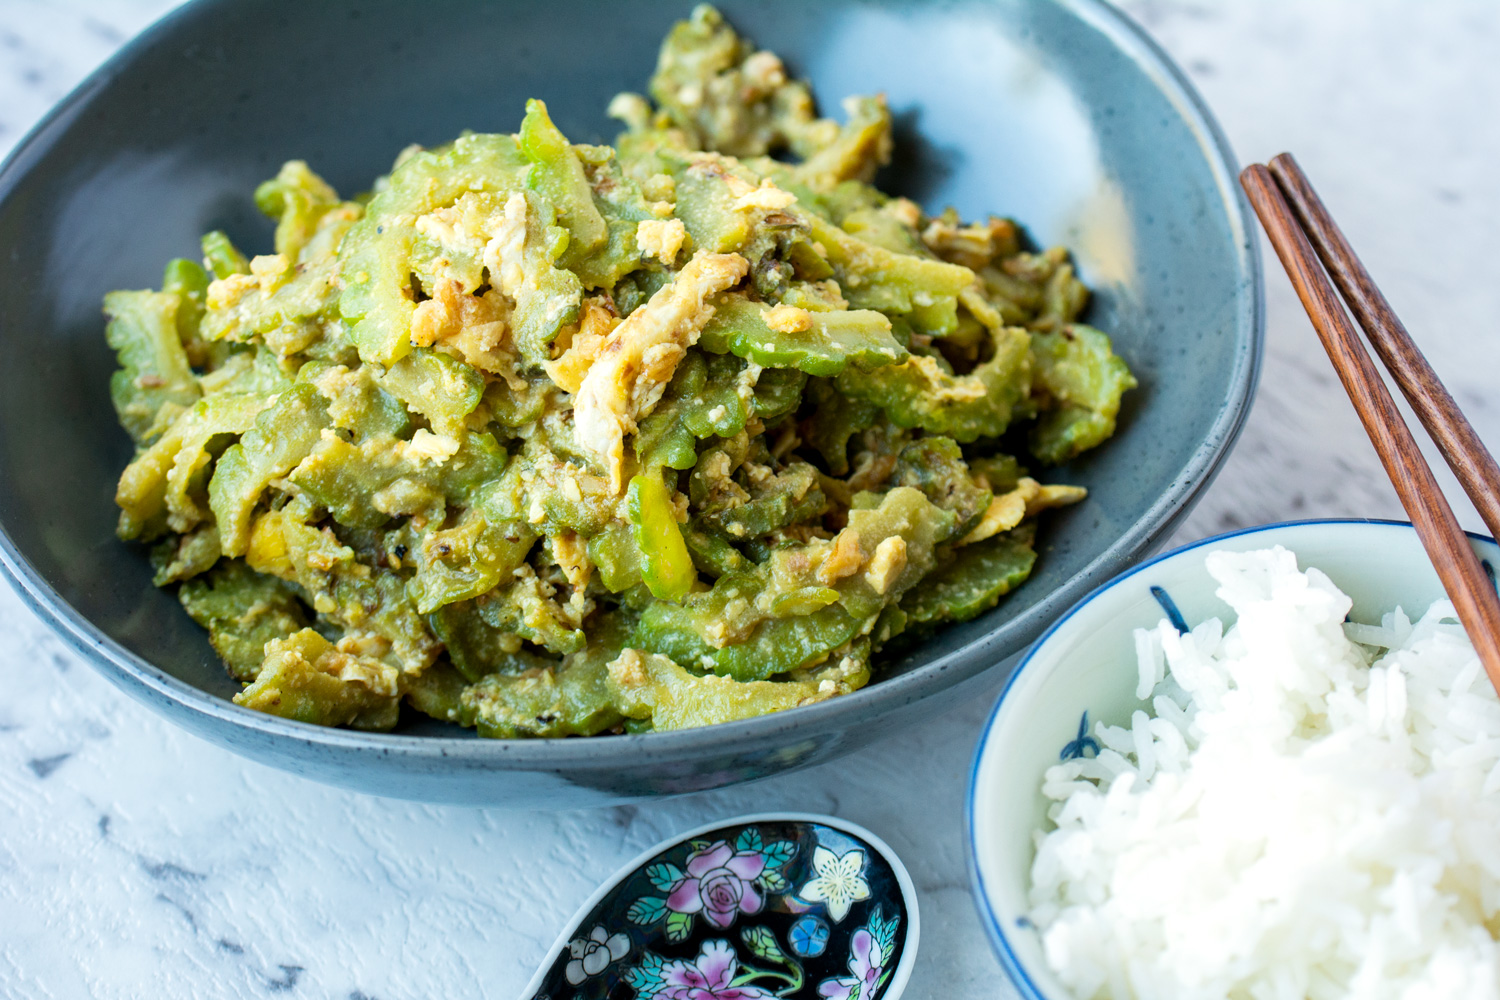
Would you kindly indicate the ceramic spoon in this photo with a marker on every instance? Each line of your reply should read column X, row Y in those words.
column 775, row 905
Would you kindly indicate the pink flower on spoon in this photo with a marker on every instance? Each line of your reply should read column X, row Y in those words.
column 720, row 883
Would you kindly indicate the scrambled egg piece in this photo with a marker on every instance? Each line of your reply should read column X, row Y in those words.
column 639, row 356
column 1028, row 499
column 580, row 348
column 661, row 238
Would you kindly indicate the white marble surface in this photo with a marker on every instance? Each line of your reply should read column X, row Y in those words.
column 138, row 861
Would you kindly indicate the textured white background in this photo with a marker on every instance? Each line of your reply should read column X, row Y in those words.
column 137, row 861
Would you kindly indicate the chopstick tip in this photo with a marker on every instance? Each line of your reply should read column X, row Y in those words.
column 1255, row 175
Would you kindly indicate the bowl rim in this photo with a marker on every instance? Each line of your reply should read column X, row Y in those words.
column 994, row 930
column 144, row 680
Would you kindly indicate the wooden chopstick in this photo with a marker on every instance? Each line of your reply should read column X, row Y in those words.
column 1459, row 569
column 1468, row 457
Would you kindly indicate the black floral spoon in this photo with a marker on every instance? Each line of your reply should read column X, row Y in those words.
column 754, row 908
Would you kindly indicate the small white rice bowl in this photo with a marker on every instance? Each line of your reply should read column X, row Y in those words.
column 1310, row 810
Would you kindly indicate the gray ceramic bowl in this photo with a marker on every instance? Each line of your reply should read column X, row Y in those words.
column 1061, row 114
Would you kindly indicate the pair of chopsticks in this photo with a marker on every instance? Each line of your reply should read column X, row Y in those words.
column 1297, row 222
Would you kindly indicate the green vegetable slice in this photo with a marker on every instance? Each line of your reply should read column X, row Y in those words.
column 283, row 435
column 285, row 302
column 242, row 611
column 557, row 175
column 436, row 692
column 306, row 679
column 935, row 465
column 154, row 379
column 297, row 198
column 222, row 257
column 348, row 592
column 790, row 496
column 712, row 555
column 1084, row 379
column 154, row 490
column 774, row 645
column 873, row 277
column 878, row 226
column 666, row 567
column 708, row 82
column 973, row 578
column 805, row 601
column 923, row 393
column 356, row 403
column 819, row 343
column 835, row 419
column 186, row 556
column 467, row 560
column 619, row 201
column 524, row 605
column 440, row 388
column 378, row 255
column 655, row 689
column 534, row 489
column 187, row 280
column 477, row 648
column 862, row 146
column 617, row 556
column 712, row 396
column 571, row 698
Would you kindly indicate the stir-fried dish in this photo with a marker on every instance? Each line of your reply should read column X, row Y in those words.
column 553, row 439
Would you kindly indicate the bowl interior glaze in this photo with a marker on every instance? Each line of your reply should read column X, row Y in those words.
column 1086, row 663
column 1060, row 114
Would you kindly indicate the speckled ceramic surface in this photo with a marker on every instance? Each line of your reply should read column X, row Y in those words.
column 1059, row 113
column 1083, row 671
column 754, row 908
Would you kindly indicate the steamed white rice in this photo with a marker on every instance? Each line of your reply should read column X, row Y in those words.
column 1311, row 810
